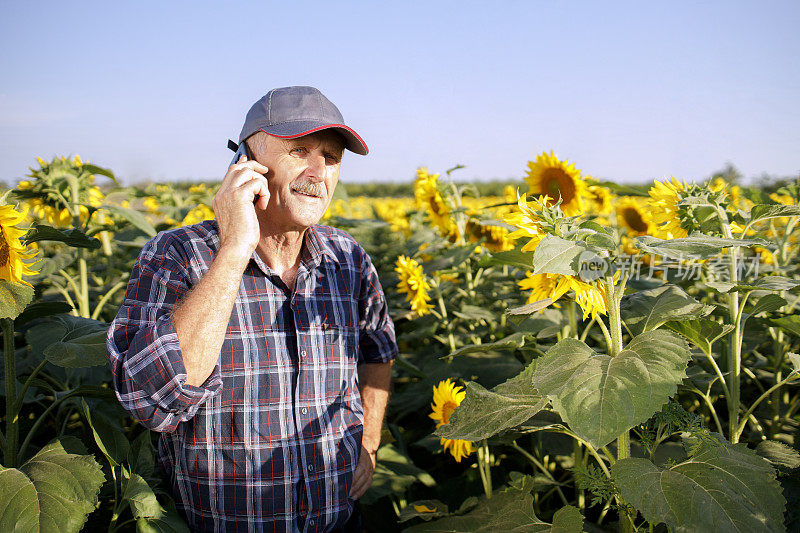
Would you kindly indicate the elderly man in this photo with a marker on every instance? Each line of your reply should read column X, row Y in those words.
column 259, row 344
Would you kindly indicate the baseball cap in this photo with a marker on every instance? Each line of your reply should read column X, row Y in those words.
column 290, row 112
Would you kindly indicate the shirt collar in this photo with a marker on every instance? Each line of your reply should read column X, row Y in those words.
column 315, row 248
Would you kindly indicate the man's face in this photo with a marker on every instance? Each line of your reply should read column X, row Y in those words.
column 303, row 174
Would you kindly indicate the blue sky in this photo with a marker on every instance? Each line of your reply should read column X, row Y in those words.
column 628, row 91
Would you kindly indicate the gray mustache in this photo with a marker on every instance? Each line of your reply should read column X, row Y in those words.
column 313, row 189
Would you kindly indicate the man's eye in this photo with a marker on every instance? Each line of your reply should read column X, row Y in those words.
column 331, row 159
column 299, row 150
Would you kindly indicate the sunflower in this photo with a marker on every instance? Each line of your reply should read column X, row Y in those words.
column 198, row 214
column 599, row 199
column 664, row 199
column 497, row 238
column 151, row 204
column 446, row 397
column 543, row 286
column 551, row 177
column 632, row 215
column 526, row 220
column 588, row 296
column 414, row 283
column 13, row 255
column 428, row 195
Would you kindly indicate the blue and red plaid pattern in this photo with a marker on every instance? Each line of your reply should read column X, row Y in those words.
column 271, row 440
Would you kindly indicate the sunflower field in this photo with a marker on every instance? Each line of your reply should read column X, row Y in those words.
column 575, row 355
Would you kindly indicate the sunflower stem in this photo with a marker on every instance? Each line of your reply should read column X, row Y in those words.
column 573, row 320
column 624, row 440
column 83, row 294
column 12, row 419
column 484, row 468
column 443, row 309
column 735, row 342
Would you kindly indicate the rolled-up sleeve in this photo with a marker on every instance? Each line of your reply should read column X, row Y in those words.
column 142, row 346
column 377, row 341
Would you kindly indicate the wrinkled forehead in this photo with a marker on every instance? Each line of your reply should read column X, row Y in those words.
column 329, row 139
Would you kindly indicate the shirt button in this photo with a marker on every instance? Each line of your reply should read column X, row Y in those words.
column 311, row 522
column 304, row 411
column 303, row 353
column 310, row 468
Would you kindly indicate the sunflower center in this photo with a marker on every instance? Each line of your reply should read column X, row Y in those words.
column 434, row 205
column 634, row 219
column 557, row 182
column 3, row 249
column 447, row 410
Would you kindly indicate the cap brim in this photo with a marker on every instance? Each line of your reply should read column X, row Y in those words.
column 291, row 130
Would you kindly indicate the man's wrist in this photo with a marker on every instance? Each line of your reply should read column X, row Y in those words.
column 233, row 257
column 371, row 446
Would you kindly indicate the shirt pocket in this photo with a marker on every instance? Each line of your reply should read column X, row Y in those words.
column 341, row 359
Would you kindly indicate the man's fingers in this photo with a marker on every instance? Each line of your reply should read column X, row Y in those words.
column 245, row 175
column 357, row 489
column 358, row 480
column 241, row 171
column 258, row 187
column 252, row 164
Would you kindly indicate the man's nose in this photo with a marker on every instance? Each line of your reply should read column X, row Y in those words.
column 316, row 167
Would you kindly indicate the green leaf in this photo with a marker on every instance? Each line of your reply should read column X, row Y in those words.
column 142, row 499
column 53, row 492
column 109, row 438
column 647, row 310
column 69, row 341
column 169, row 522
column 41, row 310
column 19, row 504
column 516, row 258
column 599, row 396
column 71, row 237
column 603, row 241
column 508, row 510
column 485, row 413
column 721, row 488
column 530, row 308
column 766, row 304
column 140, row 456
column 779, row 454
column 94, row 169
column 437, row 509
column 449, row 258
column 790, row 324
column 394, row 473
column 474, row 312
column 59, row 261
column 795, row 360
column 766, row 283
column 136, row 218
column 14, row 298
column 702, row 332
column 765, row 211
column 555, row 255
column 511, row 342
column 566, row 520
column 694, row 246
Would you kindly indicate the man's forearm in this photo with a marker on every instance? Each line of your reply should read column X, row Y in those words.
column 374, row 382
column 201, row 318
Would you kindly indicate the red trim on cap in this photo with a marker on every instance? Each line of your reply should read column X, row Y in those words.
column 321, row 128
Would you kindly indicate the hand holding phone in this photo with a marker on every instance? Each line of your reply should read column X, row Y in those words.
column 243, row 190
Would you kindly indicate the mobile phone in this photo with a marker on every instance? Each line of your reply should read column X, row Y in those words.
column 241, row 150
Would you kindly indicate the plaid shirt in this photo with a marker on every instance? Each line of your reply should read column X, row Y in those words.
column 271, row 440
